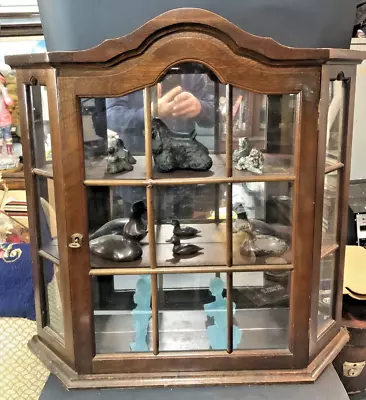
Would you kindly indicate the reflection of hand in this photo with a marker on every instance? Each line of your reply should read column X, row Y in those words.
column 186, row 105
column 166, row 102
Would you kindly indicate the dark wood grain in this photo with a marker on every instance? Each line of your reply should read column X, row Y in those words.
column 304, row 223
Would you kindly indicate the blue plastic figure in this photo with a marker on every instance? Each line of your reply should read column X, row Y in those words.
column 142, row 313
column 217, row 333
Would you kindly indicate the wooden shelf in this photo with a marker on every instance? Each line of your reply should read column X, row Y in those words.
column 275, row 169
column 211, row 239
column 186, row 330
column 46, row 171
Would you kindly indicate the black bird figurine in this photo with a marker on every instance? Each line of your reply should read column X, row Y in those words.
column 136, row 227
column 183, row 249
column 184, row 232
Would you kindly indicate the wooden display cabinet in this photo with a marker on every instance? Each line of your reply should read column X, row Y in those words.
column 279, row 318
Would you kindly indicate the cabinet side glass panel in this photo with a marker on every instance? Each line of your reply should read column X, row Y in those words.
column 326, row 291
column 336, row 121
column 330, row 210
column 53, row 296
column 41, row 135
column 47, row 215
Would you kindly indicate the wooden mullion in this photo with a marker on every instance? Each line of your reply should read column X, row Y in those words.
column 151, row 221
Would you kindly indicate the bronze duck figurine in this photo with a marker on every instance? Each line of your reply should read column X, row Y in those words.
column 183, row 249
column 136, row 227
column 260, row 245
column 116, row 248
column 184, row 232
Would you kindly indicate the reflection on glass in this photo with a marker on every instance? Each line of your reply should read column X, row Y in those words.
column 262, row 223
column 47, row 215
column 186, row 121
column 114, row 141
column 330, row 209
column 41, row 128
column 326, row 291
column 192, row 312
column 194, row 215
column 117, row 226
column 52, row 282
column 122, row 313
column 263, row 133
column 261, row 312
column 335, row 125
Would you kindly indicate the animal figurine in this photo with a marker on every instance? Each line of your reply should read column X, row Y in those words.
column 119, row 158
column 259, row 245
column 122, row 152
column 183, row 249
column 243, row 223
column 136, row 227
column 254, row 162
column 114, row 227
column 174, row 151
column 184, row 232
column 248, row 158
column 116, row 248
column 244, row 149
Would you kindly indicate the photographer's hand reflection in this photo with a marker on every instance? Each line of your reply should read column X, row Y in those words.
column 177, row 103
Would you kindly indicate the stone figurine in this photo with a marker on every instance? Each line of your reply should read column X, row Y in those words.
column 174, row 151
column 217, row 333
column 136, row 227
column 116, row 248
column 141, row 315
column 183, row 249
column 184, row 232
column 119, row 158
column 247, row 158
column 244, row 149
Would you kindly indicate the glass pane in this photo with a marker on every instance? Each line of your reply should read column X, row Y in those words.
column 191, row 317
column 261, row 310
column 262, row 223
column 263, row 133
column 122, row 313
column 188, row 124
column 110, row 211
column 114, row 138
column 336, row 122
column 330, row 209
column 47, row 215
column 326, row 291
column 52, row 282
column 41, row 128
column 192, row 218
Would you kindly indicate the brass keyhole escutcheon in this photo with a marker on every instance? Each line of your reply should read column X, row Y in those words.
column 76, row 241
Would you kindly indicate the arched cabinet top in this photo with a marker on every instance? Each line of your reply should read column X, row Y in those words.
column 113, row 51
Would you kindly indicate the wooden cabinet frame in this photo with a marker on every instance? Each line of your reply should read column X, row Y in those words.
column 137, row 61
